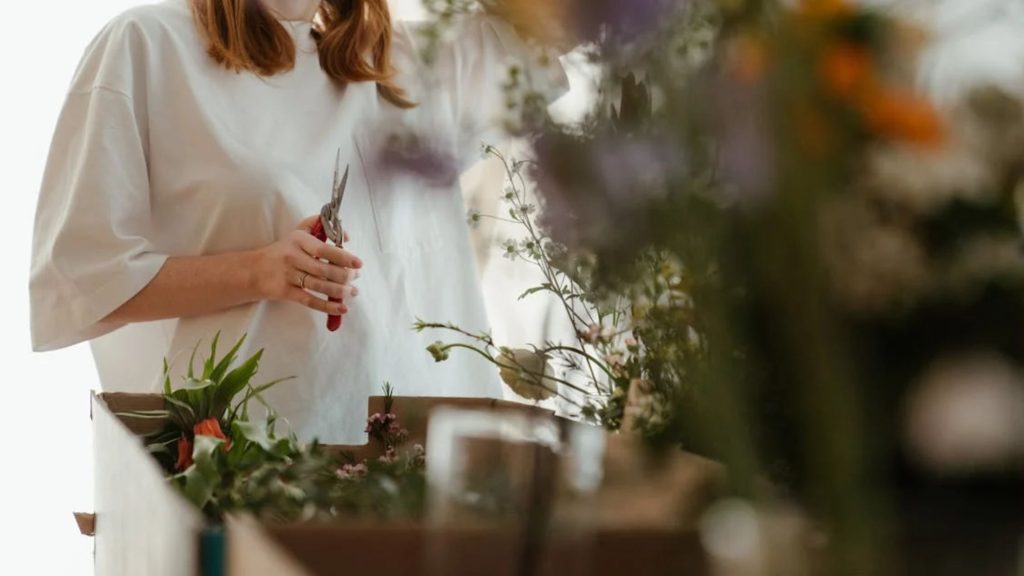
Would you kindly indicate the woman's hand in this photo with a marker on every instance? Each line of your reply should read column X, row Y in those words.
column 302, row 269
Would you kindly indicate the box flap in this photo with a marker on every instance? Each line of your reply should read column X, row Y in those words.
column 86, row 523
column 144, row 526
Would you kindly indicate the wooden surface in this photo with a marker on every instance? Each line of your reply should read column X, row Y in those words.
column 143, row 526
column 398, row 550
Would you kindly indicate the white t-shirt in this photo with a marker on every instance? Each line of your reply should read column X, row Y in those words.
column 160, row 151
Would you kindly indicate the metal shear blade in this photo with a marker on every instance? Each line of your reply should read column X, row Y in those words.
column 331, row 214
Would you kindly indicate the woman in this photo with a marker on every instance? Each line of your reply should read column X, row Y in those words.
column 198, row 138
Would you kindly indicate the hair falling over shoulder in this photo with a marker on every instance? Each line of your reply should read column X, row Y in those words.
column 353, row 38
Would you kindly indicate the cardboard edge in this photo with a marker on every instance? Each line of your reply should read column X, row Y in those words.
column 133, row 495
column 86, row 523
column 251, row 551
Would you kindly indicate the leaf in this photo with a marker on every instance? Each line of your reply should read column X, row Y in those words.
column 167, row 378
column 254, row 392
column 253, row 432
column 145, row 414
column 233, row 383
column 208, row 365
column 546, row 286
column 156, row 449
column 191, row 361
column 202, row 478
column 181, row 406
column 222, row 367
column 285, row 448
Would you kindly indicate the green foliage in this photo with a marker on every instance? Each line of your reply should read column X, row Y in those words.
column 256, row 470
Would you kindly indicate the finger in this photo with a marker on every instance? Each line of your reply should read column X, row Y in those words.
column 332, row 289
column 346, row 237
column 333, row 254
column 306, row 225
column 325, row 271
column 313, row 302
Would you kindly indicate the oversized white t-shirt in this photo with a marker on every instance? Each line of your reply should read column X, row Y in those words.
column 161, row 152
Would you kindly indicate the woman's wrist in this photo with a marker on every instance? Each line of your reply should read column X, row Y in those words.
column 251, row 287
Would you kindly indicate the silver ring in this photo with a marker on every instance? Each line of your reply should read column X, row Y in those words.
column 302, row 280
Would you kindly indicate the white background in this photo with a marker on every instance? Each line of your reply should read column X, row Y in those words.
column 45, row 445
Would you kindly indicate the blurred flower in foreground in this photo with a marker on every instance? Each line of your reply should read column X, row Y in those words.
column 875, row 266
column 594, row 188
column 986, row 134
column 967, row 415
column 744, row 539
column 416, row 155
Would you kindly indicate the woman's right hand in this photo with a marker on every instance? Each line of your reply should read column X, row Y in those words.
column 302, row 269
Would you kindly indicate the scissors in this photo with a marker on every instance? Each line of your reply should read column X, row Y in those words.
column 328, row 227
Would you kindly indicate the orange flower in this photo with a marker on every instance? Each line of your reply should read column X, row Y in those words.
column 845, row 69
column 184, row 454
column 904, row 116
column 211, row 427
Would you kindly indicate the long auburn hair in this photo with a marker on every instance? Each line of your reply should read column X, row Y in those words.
column 353, row 38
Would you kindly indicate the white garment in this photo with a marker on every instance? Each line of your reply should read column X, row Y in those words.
column 160, row 152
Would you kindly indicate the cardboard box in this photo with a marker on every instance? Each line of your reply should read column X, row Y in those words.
column 144, row 526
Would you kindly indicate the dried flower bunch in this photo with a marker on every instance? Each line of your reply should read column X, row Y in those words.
column 626, row 353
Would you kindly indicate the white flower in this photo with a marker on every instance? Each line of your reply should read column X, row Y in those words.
column 614, row 360
column 527, row 373
column 592, row 333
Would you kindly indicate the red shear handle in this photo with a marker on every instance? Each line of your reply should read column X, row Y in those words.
column 333, row 322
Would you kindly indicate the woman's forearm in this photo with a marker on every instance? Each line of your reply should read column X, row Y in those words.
column 194, row 286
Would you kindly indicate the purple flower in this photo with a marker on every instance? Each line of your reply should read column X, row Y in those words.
column 598, row 190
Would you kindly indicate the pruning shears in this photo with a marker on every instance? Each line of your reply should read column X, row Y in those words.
column 328, row 226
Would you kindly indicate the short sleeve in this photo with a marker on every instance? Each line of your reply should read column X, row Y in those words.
column 90, row 252
column 475, row 68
